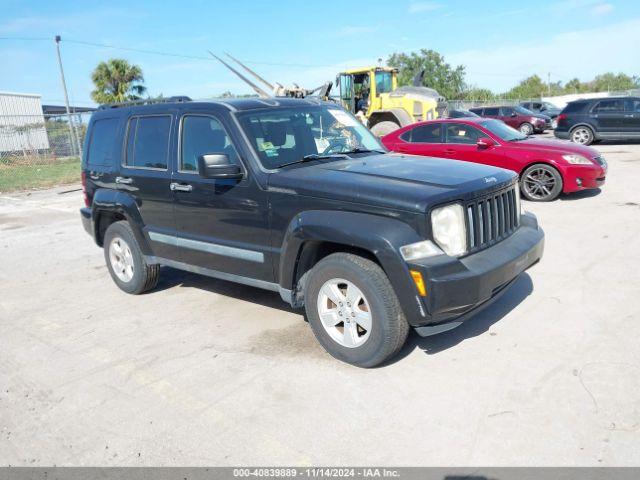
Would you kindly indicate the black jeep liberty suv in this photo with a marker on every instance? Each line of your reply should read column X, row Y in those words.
column 298, row 197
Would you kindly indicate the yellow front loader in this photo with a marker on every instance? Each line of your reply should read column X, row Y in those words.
column 374, row 93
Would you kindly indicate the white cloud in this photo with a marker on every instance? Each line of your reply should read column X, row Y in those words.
column 582, row 54
column 418, row 7
column 572, row 7
column 602, row 9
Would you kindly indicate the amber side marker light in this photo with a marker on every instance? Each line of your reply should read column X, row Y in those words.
column 417, row 279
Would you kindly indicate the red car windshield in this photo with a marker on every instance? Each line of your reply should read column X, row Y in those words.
column 503, row 131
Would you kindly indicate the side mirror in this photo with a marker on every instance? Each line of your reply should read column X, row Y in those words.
column 217, row 165
column 485, row 142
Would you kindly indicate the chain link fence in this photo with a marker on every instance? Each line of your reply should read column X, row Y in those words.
column 40, row 150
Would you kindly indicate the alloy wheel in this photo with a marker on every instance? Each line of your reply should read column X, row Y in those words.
column 344, row 312
column 526, row 129
column 581, row 136
column 539, row 183
column 121, row 259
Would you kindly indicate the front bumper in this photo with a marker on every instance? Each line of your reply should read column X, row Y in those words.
column 578, row 177
column 541, row 126
column 457, row 288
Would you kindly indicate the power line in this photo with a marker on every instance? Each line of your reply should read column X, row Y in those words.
column 181, row 55
column 208, row 59
column 163, row 54
column 27, row 39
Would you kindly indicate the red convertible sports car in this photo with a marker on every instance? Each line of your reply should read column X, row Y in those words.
column 546, row 167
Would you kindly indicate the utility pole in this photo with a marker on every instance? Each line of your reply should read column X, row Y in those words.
column 548, row 84
column 75, row 144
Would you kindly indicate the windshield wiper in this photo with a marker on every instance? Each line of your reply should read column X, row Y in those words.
column 362, row 150
column 313, row 156
column 321, row 156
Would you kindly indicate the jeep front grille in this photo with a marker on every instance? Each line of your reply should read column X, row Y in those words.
column 491, row 218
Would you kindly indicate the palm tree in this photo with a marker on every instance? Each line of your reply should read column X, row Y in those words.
column 116, row 80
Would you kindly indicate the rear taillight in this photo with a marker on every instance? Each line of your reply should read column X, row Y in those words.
column 84, row 189
column 561, row 117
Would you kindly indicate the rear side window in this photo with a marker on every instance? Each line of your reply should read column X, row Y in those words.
column 148, row 142
column 424, row 134
column 574, row 107
column 506, row 111
column 102, row 142
column 606, row 106
column 491, row 111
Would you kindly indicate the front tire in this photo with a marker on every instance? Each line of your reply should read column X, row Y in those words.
column 541, row 183
column 353, row 310
column 125, row 261
column 384, row 128
column 582, row 135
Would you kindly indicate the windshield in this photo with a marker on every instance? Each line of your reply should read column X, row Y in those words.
column 285, row 135
column 523, row 111
column 503, row 131
column 383, row 82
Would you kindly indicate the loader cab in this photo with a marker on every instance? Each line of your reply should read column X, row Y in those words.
column 363, row 87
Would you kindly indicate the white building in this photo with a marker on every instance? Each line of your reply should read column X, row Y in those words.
column 22, row 125
column 561, row 101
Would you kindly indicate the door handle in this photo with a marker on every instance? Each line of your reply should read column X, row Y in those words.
column 628, row 115
column 180, row 187
column 124, row 180
column 449, row 150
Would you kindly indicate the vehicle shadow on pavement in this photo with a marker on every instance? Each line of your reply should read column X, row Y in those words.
column 592, row 192
column 172, row 277
column 473, row 327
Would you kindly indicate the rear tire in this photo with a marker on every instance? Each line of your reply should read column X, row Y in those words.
column 384, row 128
column 365, row 325
column 582, row 135
column 125, row 261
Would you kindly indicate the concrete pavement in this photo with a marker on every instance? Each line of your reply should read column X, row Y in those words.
column 205, row 372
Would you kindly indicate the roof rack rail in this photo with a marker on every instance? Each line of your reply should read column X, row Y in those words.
column 146, row 101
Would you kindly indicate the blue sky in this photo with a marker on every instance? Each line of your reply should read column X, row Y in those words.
column 500, row 42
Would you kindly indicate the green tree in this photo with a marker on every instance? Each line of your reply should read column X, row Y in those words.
column 530, row 87
column 116, row 80
column 479, row 94
column 574, row 86
column 447, row 80
column 611, row 82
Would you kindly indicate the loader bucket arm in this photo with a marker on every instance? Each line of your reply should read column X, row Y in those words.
column 418, row 78
column 255, row 87
column 251, row 72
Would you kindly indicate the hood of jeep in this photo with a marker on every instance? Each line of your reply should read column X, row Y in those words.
column 407, row 182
